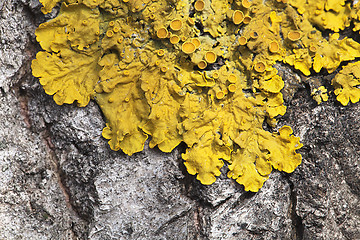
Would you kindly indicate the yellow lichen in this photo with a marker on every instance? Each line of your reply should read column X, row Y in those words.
column 67, row 74
column 207, row 79
column 320, row 94
column 174, row 39
column 162, row 33
column 242, row 41
column 326, row 14
column 294, row 35
column 188, row 47
column 237, row 17
column 274, row 47
column 196, row 42
column 247, row 20
column 245, row 3
column 259, row 67
column 202, row 64
column 210, row 57
column 176, row 24
column 347, row 83
column 199, row 5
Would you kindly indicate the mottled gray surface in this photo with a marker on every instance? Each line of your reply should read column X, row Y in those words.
column 60, row 180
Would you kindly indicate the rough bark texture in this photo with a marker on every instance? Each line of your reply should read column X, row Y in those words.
column 60, row 180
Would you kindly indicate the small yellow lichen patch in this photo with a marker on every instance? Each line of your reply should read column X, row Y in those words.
column 347, row 83
column 301, row 60
column 320, row 94
column 48, row 5
column 67, row 74
column 64, row 79
column 273, row 85
column 251, row 168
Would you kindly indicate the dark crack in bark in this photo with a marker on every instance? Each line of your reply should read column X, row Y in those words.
column 298, row 233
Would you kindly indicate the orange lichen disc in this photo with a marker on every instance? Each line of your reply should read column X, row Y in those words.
column 237, row 17
column 199, row 5
column 160, row 52
column 174, row 39
column 111, row 24
column 176, row 24
column 196, row 42
column 254, row 35
column 202, row 64
column 247, row 20
column 120, row 40
column 188, row 47
column 191, row 21
column 109, row 33
column 210, row 57
column 215, row 75
column 318, row 12
column 162, row 33
column 242, row 41
column 274, row 47
column 313, row 48
column 259, row 67
column 232, row 88
column 232, row 78
column 294, row 35
column 163, row 69
column 220, row 95
column 245, row 3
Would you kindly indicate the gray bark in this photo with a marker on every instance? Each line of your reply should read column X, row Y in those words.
column 60, row 180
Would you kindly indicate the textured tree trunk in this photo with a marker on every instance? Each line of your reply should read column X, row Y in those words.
column 60, row 180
